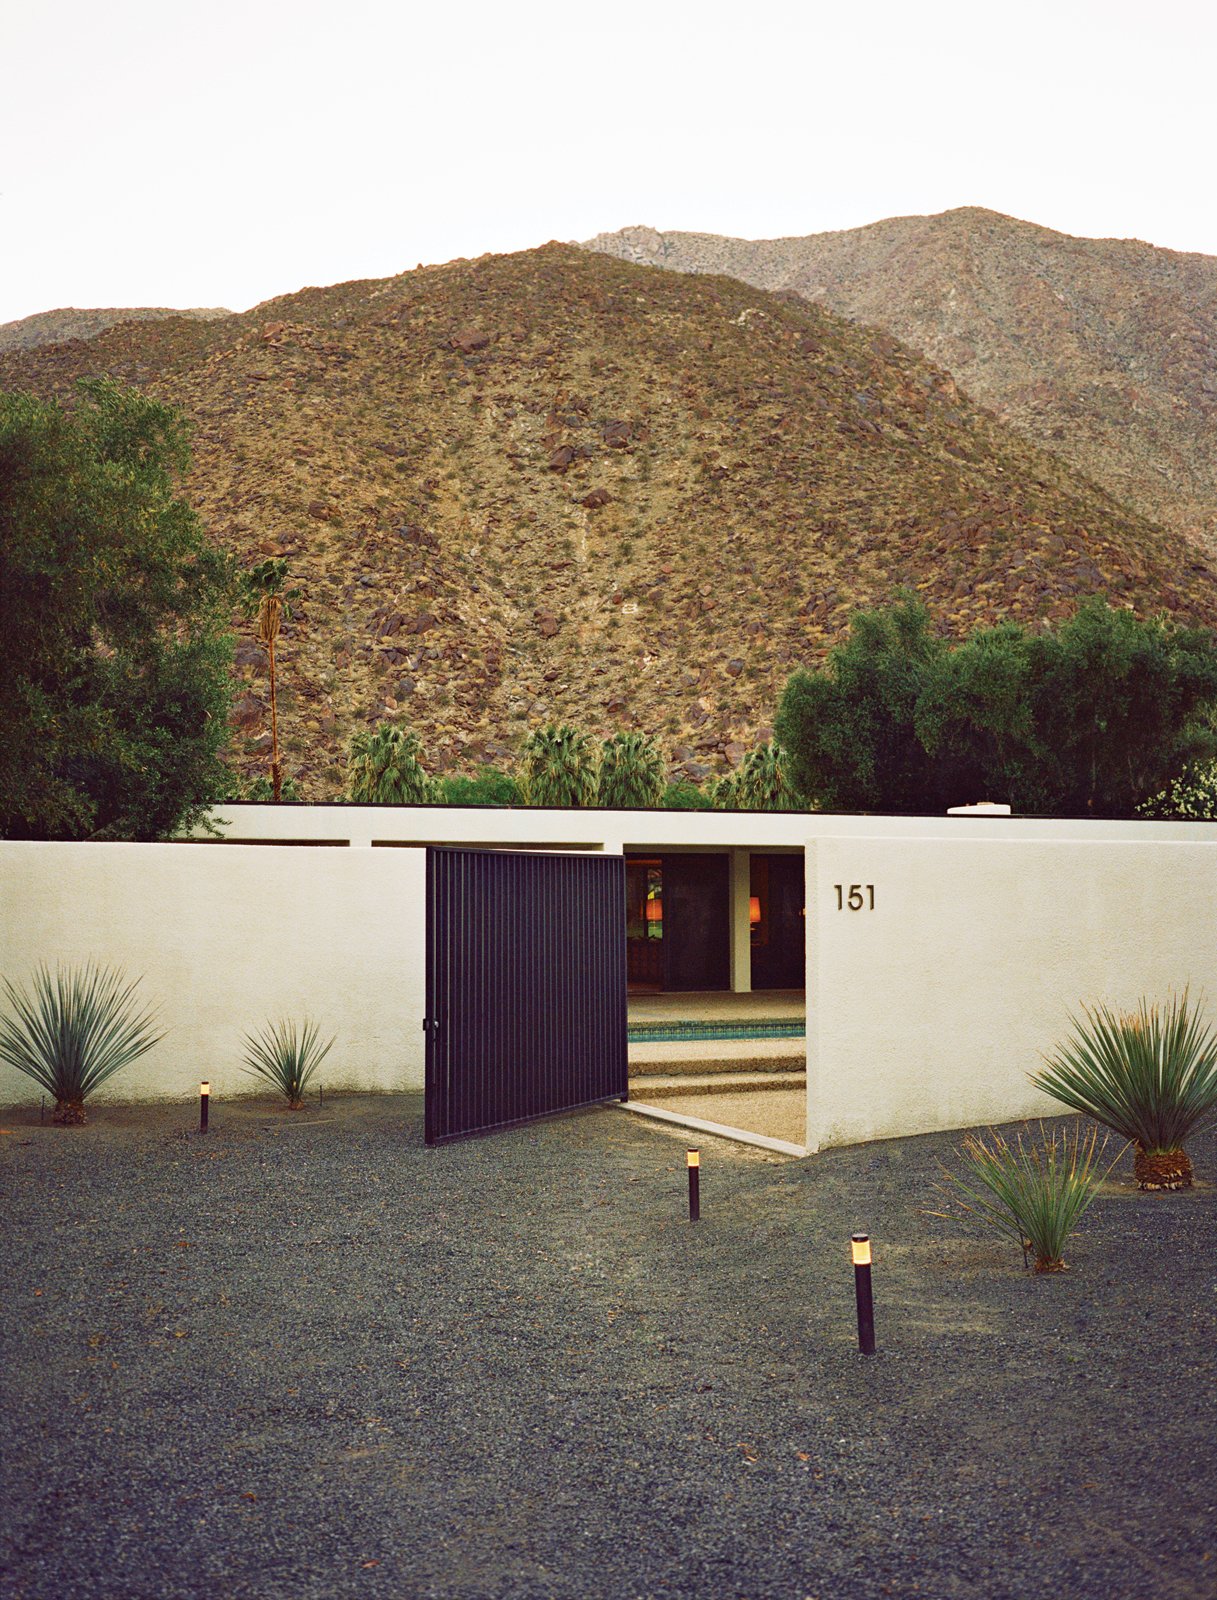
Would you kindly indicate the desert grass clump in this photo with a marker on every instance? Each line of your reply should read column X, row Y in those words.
column 76, row 1028
column 1032, row 1193
column 1150, row 1075
column 286, row 1054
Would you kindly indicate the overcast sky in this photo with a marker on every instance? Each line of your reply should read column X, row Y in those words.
column 167, row 152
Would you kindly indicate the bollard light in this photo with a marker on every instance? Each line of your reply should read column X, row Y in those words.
column 862, row 1293
column 204, row 1102
column 693, row 1161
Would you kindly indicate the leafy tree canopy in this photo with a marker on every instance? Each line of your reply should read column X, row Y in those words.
column 114, row 656
column 1088, row 719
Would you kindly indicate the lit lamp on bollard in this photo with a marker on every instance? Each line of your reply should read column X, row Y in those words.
column 693, row 1160
column 204, row 1103
column 862, row 1293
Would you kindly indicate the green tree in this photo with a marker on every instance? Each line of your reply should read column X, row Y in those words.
column 558, row 767
column 848, row 730
column 1120, row 707
column 1088, row 719
column 759, row 783
column 685, row 796
column 114, row 656
column 384, row 766
column 631, row 772
column 490, row 787
column 1191, row 798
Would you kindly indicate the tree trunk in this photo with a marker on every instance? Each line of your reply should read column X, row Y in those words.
column 274, row 729
column 69, row 1113
column 1162, row 1169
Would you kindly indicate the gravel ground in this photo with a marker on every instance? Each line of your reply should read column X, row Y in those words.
column 307, row 1357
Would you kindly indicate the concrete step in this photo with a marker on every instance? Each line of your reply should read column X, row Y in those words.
column 660, row 1086
column 719, row 1055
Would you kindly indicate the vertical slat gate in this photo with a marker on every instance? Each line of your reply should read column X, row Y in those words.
column 526, row 987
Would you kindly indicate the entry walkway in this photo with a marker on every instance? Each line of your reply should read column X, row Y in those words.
column 716, row 1005
column 734, row 1061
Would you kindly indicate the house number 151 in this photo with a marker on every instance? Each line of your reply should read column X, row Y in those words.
column 857, row 896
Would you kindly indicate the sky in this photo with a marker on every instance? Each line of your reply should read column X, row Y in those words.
column 184, row 154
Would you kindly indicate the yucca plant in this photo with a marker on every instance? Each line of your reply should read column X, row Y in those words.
column 383, row 765
column 1150, row 1075
column 558, row 767
column 631, row 771
column 286, row 1054
column 78, row 1027
column 1032, row 1193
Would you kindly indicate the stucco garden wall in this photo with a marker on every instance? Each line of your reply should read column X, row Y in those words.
column 928, row 1011
column 227, row 938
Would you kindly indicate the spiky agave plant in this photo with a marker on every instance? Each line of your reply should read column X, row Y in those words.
column 558, row 767
column 286, row 1054
column 631, row 771
column 383, row 765
column 78, row 1027
column 1032, row 1193
column 1150, row 1075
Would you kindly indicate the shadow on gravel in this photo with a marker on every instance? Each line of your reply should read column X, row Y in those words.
column 306, row 1356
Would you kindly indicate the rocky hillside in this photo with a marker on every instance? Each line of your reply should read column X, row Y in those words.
column 554, row 484
column 1103, row 349
column 54, row 327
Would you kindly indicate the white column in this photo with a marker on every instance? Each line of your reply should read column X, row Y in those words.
column 741, row 928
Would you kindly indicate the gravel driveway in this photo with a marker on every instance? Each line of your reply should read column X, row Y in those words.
column 307, row 1357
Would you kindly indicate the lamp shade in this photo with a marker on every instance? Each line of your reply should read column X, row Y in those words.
column 754, row 909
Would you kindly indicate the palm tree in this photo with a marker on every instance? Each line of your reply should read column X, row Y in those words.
column 759, row 783
column 383, row 766
column 264, row 595
column 631, row 771
column 558, row 767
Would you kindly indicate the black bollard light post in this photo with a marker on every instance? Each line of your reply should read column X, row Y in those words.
column 204, row 1103
column 862, row 1293
column 693, row 1159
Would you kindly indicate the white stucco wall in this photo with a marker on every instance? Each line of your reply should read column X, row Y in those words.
column 929, row 1011
column 226, row 939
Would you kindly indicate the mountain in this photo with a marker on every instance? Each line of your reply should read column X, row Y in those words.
column 53, row 327
column 553, row 484
column 1103, row 349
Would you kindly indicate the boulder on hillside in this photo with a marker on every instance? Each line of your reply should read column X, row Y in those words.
column 469, row 341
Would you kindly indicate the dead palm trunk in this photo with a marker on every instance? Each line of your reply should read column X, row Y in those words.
column 268, row 632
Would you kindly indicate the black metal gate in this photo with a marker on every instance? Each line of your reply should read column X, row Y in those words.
column 525, row 987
